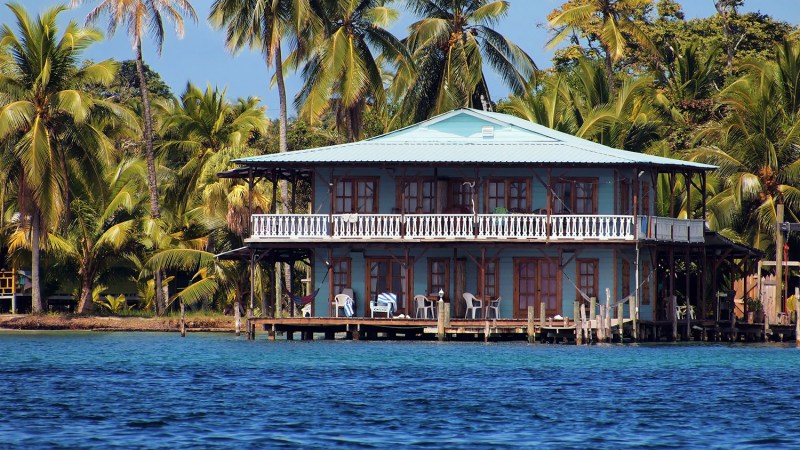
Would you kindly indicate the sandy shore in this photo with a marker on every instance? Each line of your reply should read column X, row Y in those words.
column 97, row 323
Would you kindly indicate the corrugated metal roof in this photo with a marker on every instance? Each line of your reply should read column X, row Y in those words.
column 468, row 136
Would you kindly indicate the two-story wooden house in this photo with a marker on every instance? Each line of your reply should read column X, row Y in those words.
column 478, row 202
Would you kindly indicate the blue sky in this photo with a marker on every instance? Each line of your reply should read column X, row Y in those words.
column 201, row 56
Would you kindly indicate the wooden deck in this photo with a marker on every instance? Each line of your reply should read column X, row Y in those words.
column 365, row 328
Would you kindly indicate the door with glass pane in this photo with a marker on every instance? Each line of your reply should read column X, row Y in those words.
column 386, row 275
column 536, row 281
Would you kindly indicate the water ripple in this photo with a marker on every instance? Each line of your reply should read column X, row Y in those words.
column 123, row 390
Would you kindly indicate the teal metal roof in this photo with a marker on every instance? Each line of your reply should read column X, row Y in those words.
column 471, row 137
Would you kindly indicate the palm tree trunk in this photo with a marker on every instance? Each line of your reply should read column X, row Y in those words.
column 283, row 146
column 85, row 305
column 612, row 87
column 36, row 292
column 147, row 118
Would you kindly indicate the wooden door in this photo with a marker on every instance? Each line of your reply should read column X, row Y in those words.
column 459, row 287
column 536, row 281
column 385, row 275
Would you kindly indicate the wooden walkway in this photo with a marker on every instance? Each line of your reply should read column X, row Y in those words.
column 562, row 331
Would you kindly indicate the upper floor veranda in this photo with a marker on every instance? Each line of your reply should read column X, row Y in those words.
column 473, row 175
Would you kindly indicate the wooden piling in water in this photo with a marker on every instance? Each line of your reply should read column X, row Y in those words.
column 183, row 319
column 440, row 320
column 238, row 318
column 531, row 322
column 797, row 316
column 542, row 312
column 633, row 307
column 620, row 309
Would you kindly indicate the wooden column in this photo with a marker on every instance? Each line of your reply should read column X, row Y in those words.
column 330, row 283
column 778, row 303
column 703, row 176
column 687, row 179
column 250, row 185
column 635, row 201
column 672, row 180
column 252, row 278
column 671, row 313
column 688, row 262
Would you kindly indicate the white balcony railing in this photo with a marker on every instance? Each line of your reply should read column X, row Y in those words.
column 599, row 227
column 367, row 226
column 290, row 225
column 439, row 226
column 481, row 226
column 512, row 226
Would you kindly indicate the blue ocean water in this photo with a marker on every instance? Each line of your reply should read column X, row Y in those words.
column 132, row 390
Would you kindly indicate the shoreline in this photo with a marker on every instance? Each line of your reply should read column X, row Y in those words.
column 46, row 322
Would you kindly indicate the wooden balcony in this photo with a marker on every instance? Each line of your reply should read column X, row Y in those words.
column 462, row 227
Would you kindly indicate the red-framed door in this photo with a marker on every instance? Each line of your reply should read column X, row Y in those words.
column 536, row 281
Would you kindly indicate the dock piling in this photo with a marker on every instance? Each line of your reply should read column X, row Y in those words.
column 238, row 318
column 531, row 329
column 183, row 319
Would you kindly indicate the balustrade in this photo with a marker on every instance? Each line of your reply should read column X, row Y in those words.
column 468, row 226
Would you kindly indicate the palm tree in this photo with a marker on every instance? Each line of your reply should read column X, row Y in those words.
column 756, row 147
column 106, row 221
column 580, row 103
column 449, row 46
column 608, row 22
column 342, row 73
column 263, row 25
column 140, row 15
column 197, row 129
column 50, row 119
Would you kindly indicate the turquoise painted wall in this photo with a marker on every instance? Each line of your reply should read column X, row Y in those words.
column 387, row 184
column 506, row 282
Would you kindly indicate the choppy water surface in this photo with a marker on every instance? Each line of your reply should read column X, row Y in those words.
column 217, row 391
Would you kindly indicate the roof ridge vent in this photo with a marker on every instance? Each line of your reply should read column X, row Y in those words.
column 487, row 131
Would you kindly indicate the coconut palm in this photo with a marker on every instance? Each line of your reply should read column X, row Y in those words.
column 199, row 127
column 140, row 16
column 608, row 22
column 449, row 46
column 49, row 119
column 105, row 225
column 342, row 73
column 756, row 147
column 580, row 103
column 263, row 25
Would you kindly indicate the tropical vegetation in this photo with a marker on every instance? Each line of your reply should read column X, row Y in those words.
column 111, row 183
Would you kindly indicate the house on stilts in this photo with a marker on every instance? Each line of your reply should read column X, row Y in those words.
column 491, row 205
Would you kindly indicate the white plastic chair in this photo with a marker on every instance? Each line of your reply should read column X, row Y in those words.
column 493, row 305
column 420, row 303
column 345, row 302
column 473, row 304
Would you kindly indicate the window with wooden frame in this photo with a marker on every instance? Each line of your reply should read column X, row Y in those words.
column 460, row 196
column 514, row 194
column 356, row 195
column 644, row 291
column 439, row 276
column 492, row 279
column 587, row 270
column 420, row 195
column 626, row 278
column 575, row 196
column 341, row 275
